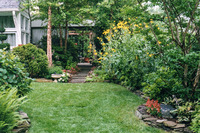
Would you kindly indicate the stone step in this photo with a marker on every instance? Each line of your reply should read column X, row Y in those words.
column 78, row 78
column 77, row 81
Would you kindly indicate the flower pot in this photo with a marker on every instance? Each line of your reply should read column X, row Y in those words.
column 86, row 59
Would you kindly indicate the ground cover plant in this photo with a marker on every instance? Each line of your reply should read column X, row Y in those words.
column 89, row 107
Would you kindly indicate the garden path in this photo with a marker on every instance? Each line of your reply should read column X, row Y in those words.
column 81, row 76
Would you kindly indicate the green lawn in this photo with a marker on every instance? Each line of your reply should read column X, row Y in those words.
column 89, row 107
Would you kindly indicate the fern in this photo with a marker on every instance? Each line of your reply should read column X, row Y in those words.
column 9, row 104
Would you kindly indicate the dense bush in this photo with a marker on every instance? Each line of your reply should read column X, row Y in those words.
column 34, row 58
column 59, row 56
column 163, row 83
column 12, row 74
column 5, row 46
column 9, row 104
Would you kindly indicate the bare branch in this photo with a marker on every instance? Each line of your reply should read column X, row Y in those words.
column 170, row 24
column 191, row 19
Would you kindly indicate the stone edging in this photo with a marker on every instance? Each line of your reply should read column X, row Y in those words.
column 166, row 124
column 23, row 125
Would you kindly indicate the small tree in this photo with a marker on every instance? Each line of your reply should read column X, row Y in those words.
column 3, row 37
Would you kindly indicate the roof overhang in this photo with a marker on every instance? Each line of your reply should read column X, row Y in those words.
column 8, row 9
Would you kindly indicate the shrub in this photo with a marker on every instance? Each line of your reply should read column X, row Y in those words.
column 35, row 59
column 9, row 104
column 12, row 73
column 162, row 83
column 54, row 70
column 5, row 45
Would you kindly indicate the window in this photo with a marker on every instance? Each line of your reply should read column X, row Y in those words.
column 26, row 27
column 22, row 22
column 27, row 38
column 11, row 39
column 7, row 22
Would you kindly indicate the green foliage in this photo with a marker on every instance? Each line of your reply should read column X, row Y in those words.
column 163, row 83
column 125, row 57
column 2, row 29
column 186, row 111
column 54, row 70
column 3, row 37
column 5, row 45
column 34, row 58
column 9, row 104
column 195, row 125
column 12, row 74
column 59, row 56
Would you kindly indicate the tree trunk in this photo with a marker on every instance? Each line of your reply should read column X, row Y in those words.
column 196, row 81
column 66, row 32
column 60, row 31
column 49, row 41
column 30, row 22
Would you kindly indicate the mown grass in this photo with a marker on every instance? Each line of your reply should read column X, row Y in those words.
column 89, row 107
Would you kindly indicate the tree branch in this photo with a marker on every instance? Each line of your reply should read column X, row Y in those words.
column 191, row 19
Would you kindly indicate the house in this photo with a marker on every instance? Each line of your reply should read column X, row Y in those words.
column 15, row 21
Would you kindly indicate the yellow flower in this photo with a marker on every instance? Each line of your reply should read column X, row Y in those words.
column 101, row 53
column 151, row 21
column 4, row 53
column 150, row 55
column 159, row 42
column 103, row 44
column 100, row 58
column 113, row 50
column 88, row 51
column 104, row 48
column 136, row 57
column 99, row 61
column 146, row 26
column 140, row 24
column 106, row 53
column 158, row 28
column 95, row 53
column 111, row 55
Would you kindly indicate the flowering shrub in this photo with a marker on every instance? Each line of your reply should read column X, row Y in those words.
column 65, row 78
column 153, row 107
column 126, row 58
